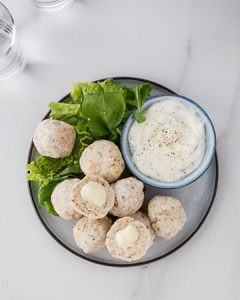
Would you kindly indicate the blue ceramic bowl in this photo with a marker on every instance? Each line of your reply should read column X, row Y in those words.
column 209, row 150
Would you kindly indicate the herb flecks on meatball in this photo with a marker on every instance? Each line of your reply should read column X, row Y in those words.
column 129, row 196
column 90, row 201
column 102, row 158
column 61, row 200
column 136, row 245
column 166, row 215
column 90, row 235
column 54, row 138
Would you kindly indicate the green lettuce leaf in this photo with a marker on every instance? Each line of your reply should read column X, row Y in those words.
column 104, row 111
column 80, row 89
column 46, row 189
column 33, row 172
column 84, row 135
column 135, row 97
column 110, row 87
column 66, row 112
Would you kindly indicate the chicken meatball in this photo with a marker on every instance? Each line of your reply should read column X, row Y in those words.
column 166, row 215
column 129, row 196
column 93, row 197
column 90, row 235
column 61, row 200
column 54, row 138
column 102, row 158
column 128, row 239
column 142, row 217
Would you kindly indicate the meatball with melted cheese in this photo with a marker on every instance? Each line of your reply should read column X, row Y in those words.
column 128, row 239
column 166, row 215
column 142, row 217
column 61, row 200
column 93, row 197
column 54, row 138
column 90, row 235
column 129, row 196
column 102, row 158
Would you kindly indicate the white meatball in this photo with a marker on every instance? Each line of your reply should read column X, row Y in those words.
column 88, row 208
column 166, row 215
column 90, row 235
column 102, row 158
column 61, row 200
column 130, row 253
column 54, row 138
column 129, row 196
column 142, row 217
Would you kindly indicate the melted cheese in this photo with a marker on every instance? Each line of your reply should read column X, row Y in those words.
column 94, row 192
column 127, row 236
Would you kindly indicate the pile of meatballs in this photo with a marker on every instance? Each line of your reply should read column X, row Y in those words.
column 101, row 193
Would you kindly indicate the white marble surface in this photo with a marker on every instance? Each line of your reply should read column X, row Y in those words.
column 192, row 47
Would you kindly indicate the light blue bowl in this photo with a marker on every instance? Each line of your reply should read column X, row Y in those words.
column 209, row 150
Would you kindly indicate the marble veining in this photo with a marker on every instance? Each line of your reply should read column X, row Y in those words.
column 187, row 61
column 193, row 48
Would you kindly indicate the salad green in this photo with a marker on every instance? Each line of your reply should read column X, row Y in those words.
column 96, row 111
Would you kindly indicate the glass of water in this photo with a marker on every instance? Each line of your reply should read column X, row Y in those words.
column 11, row 51
column 51, row 5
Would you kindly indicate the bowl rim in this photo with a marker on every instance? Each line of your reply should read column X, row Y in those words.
column 124, row 265
column 153, row 182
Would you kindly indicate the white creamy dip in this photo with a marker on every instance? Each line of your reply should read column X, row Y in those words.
column 170, row 144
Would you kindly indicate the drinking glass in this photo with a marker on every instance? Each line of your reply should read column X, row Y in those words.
column 11, row 50
column 51, row 5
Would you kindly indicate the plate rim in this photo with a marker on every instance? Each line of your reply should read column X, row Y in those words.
column 125, row 264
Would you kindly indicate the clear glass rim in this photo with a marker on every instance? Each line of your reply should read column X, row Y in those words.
column 51, row 6
column 1, row 4
column 13, row 32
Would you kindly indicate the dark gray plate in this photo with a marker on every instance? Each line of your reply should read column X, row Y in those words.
column 196, row 198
